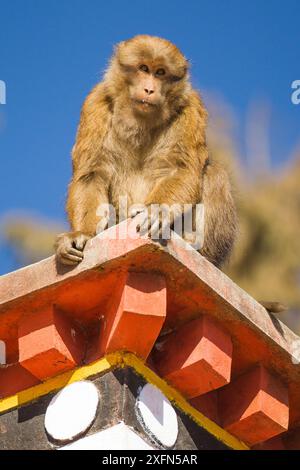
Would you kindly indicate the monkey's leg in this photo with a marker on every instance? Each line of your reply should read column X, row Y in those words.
column 220, row 220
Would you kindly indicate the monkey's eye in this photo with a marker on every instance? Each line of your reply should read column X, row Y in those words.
column 160, row 72
column 144, row 68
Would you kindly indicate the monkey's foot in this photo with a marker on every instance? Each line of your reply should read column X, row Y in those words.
column 273, row 307
column 69, row 247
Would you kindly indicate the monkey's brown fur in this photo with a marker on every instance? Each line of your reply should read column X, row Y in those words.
column 142, row 135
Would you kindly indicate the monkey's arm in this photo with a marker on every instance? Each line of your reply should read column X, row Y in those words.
column 87, row 200
column 182, row 187
column 88, row 189
column 183, row 161
column 172, row 193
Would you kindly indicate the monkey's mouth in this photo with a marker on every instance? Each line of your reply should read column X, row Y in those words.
column 145, row 104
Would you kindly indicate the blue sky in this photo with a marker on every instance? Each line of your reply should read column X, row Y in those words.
column 53, row 51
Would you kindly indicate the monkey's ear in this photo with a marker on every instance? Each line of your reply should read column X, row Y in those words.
column 119, row 47
column 184, row 69
column 184, row 72
column 120, row 54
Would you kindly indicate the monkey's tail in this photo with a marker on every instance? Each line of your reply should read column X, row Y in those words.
column 273, row 307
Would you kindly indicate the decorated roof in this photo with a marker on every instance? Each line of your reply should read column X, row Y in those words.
column 142, row 345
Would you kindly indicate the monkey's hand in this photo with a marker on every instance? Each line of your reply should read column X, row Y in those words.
column 136, row 209
column 69, row 247
column 157, row 222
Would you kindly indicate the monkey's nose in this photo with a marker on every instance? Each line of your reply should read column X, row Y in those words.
column 148, row 91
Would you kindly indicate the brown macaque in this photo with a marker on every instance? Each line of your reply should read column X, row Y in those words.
column 142, row 135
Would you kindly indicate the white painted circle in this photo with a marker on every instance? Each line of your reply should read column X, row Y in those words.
column 72, row 411
column 157, row 416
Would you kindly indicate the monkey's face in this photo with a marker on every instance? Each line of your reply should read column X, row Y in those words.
column 146, row 87
column 154, row 74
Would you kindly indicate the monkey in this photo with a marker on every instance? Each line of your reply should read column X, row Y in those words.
column 142, row 135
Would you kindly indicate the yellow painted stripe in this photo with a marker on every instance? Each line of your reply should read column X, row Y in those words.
column 175, row 397
column 55, row 383
column 122, row 359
